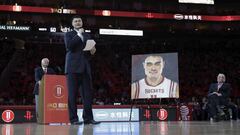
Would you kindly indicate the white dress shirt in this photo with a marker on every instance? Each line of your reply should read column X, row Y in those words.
column 44, row 70
column 79, row 33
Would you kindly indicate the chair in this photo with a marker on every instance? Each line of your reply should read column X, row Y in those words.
column 227, row 112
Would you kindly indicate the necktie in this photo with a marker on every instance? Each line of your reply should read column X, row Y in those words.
column 80, row 35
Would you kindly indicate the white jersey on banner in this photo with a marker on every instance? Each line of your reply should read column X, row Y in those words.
column 165, row 89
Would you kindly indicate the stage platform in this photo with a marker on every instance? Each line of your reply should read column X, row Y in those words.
column 127, row 128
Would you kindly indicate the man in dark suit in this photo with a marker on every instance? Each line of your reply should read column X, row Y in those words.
column 218, row 95
column 78, row 72
column 39, row 72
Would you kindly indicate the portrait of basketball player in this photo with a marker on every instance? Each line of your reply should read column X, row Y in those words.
column 154, row 84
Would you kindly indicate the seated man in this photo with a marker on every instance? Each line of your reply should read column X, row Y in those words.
column 218, row 95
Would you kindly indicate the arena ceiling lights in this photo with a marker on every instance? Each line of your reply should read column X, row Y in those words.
column 120, row 32
column 211, row 2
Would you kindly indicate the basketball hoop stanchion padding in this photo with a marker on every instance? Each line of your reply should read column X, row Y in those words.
column 53, row 100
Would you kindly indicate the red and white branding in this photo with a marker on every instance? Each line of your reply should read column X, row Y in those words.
column 106, row 13
column 58, row 91
column 7, row 129
column 178, row 16
column 8, row 116
column 17, row 8
column 28, row 115
column 147, row 114
column 149, row 15
column 162, row 114
column 187, row 17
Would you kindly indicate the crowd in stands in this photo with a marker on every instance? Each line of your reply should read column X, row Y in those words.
column 200, row 60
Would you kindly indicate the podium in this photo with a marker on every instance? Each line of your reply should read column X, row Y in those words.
column 53, row 100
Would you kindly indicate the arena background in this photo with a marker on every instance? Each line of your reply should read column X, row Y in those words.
column 206, row 38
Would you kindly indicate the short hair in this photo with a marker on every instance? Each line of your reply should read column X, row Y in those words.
column 221, row 74
column 154, row 55
column 45, row 59
column 76, row 16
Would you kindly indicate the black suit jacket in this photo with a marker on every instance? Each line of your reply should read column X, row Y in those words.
column 76, row 59
column 38, row 71
column 224, row 90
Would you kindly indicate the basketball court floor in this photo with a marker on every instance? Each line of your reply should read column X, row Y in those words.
column 127, row 128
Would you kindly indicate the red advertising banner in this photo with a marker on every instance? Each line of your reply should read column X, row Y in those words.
column 53, row 99
column 147, row 15
column 158, row 114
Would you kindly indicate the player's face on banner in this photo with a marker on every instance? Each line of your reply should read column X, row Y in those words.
column 77, row 23
column 153, row 66
column 153, row 82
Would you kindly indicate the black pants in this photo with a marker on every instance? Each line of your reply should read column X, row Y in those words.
column 214, row 103
column 76, row 82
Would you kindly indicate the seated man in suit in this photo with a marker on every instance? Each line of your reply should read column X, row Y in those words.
column 218, row 95
column 39, row 72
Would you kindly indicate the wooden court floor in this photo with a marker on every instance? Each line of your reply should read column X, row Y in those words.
column 127, row 128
